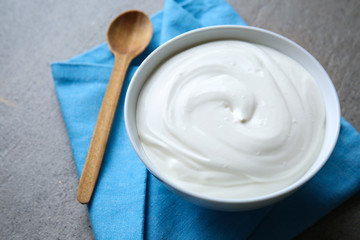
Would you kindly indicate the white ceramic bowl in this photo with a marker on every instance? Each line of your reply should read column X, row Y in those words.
column 253, row 35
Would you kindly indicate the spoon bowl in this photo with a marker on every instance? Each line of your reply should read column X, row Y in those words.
column 121, row 33
column 128, row 35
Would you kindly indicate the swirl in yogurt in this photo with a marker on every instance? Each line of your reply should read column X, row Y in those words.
column 231, row 119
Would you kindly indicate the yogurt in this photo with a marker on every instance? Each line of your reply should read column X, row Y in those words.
column 231, row 119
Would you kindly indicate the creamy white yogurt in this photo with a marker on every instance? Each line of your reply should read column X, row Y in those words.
column 231, row 119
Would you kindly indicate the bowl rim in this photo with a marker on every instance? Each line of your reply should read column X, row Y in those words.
column 277, row 194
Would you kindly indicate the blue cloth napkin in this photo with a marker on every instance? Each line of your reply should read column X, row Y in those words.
column 129, row 203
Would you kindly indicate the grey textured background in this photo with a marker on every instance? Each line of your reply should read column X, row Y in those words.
column 35, row 154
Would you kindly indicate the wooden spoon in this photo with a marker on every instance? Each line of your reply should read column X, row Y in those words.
column 128, row 35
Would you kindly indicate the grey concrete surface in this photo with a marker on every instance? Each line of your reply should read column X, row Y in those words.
column 38, row 180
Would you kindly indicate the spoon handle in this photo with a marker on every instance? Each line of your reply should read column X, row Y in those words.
column 102, row 130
